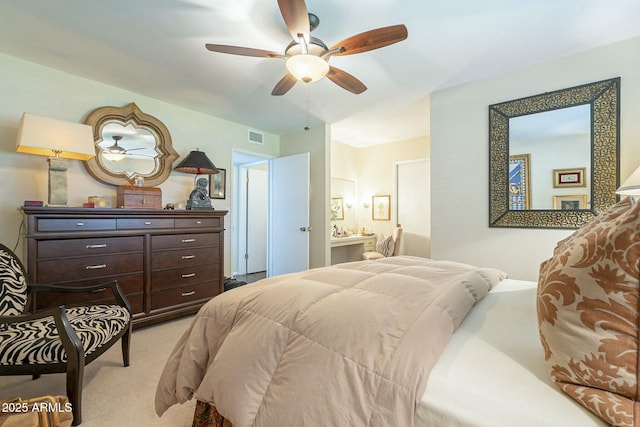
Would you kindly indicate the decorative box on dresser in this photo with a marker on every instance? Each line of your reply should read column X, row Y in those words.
column 168, row 263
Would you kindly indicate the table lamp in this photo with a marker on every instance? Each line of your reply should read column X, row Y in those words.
column 631, row 186
column 59, row 140
column 198, row 163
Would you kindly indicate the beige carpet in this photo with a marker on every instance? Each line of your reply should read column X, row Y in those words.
column 114, row 395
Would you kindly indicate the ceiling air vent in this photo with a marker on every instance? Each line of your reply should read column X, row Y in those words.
column 256, row 137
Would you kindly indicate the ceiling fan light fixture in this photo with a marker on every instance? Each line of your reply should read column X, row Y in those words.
column 115, row 153
column 112, row 156
column 307, row 68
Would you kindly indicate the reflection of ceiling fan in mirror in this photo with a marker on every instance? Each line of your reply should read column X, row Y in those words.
column 307, row 58
column 115, row 152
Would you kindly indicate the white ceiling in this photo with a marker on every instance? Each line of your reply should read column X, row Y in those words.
column 156, row 48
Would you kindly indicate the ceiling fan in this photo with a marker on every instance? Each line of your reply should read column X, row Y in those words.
column 307, row 58
column 116, row 152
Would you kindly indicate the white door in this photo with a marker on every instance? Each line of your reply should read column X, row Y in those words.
column 256, row 221
column 414, row 207
column 288, row 214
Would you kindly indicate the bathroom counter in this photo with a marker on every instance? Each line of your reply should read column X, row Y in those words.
column 351, row 248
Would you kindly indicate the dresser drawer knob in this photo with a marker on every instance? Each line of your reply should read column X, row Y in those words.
column 95, row 267
column 103, row 245
column 186, row 276
column 188, row 256
column 188, row 240
column 198, row 222
column 147, row 223
column 188, row 294
column 80, row 224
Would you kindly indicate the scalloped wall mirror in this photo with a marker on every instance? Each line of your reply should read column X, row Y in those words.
column 554, row 157
column 129, row 145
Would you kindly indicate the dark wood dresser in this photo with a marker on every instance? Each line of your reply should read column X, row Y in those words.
column 168, row 263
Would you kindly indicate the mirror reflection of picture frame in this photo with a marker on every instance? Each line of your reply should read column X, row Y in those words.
column 218, row 184
column 381, row 208
column 337, row 209
column 519, row 195
column 570, row 202
column 569, row 177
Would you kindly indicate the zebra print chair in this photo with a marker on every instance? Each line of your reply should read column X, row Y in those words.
column 61, row 339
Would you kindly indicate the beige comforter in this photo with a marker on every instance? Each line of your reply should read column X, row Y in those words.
column 346, row 345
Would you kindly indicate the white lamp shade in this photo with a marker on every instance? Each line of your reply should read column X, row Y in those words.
column 307, row 68
column 50, row 137
column 631, row 185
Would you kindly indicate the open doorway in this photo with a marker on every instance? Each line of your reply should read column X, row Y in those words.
column 250, row 213
column 271, row 203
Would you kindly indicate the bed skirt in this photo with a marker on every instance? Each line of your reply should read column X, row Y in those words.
column 207, row 416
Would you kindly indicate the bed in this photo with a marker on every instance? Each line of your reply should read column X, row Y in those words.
column 484, row 368
column 492, row 372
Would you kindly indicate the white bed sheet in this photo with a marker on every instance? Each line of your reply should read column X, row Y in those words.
column 492, row 372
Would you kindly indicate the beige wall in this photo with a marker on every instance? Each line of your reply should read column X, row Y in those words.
column 373, row 169
column 459, row 153
column 344, row 161
column 27, row 87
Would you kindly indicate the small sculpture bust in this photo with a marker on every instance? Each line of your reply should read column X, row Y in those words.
column 199, row 198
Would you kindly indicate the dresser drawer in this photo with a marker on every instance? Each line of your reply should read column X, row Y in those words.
column 142, row 223
column 75, row 269
column 130, row 285
column 58, row 224
column 184, row 257
column 83, row 247
column 370, row 245
column 198, row 222
column 177, row 241
column 183, row 294
column 175, row 277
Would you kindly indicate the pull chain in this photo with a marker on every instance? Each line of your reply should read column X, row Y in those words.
column 307, row 106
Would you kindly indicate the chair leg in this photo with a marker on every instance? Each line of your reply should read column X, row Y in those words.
column 126, row 345
column 75, row 376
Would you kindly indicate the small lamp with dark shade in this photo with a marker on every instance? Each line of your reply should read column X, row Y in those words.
column 198, row 163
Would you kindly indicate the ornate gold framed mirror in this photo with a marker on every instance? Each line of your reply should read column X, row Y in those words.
column 131, row 147
column 570, row 140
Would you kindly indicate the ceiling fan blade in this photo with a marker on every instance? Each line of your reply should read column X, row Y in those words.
column 346, row 80
column 373, row 39
column 283, row 86
column 244, row 51
column 295, row 15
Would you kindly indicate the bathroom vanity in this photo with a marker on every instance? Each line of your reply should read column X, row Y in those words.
column 350, row 248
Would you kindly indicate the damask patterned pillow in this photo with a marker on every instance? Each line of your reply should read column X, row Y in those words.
column 588, row 296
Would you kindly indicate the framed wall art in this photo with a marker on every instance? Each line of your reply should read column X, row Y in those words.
column 218, row 184
column 570, row 202
column 519, row 194
column 569, row 178
column 381, row 208
column 337, row 209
